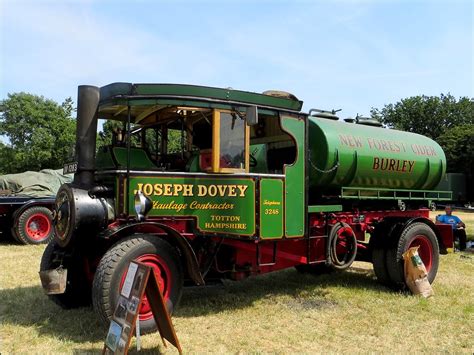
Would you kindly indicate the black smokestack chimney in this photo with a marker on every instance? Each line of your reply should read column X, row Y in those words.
column 86, row 131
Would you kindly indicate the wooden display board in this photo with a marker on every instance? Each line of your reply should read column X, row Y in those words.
column 139, row 281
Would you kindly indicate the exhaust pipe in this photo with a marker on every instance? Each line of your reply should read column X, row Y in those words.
column 86, row 131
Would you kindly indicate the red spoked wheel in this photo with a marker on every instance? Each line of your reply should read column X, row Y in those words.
column 34, row 226
column 164, row 277
column 416, row 234
column 110, row 275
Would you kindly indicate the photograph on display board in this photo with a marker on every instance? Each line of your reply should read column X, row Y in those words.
column 121, row 346
column 133, row 304
column 121, row 310
column 138, row 281
column 113, row 336
column 126, row 330
column 127, row 284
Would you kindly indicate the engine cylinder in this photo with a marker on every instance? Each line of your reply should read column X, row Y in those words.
column 77, row 214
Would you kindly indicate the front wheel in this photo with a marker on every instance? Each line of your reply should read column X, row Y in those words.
column 157, row 253
column 78, row 288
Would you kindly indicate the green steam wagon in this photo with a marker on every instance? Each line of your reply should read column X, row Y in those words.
column 206, row 183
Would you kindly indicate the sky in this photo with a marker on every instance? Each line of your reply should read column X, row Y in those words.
column 348, row 54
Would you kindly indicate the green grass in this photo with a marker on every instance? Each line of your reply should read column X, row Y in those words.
column 284, row 312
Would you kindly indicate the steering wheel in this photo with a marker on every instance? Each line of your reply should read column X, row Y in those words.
column 252, row 161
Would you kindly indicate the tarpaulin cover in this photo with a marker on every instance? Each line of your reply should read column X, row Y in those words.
column 44, row 183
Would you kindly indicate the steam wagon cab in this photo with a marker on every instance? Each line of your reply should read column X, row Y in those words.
column 205, row 183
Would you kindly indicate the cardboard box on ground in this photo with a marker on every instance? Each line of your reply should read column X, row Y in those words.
column 416, row 276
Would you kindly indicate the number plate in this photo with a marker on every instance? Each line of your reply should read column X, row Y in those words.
column 70, row 168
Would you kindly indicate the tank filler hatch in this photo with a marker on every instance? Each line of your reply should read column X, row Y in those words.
column 330, row 115
column 368, row 121
column 280, row 94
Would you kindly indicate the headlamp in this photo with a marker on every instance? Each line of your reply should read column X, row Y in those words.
column 142, row 205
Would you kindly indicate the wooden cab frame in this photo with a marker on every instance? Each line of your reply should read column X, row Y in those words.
column 217, row 141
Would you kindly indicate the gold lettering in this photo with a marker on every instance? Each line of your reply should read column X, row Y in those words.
column 212, row 190
column 187, row 190
column 232, row 192
column 271, row 203
column 167, row 189
column 139, row 188
column 177, row 189
column 148, row 189
column 222, row 189
column 242, row 189
column 225, row 218
column 158, row 190
column 202, row 190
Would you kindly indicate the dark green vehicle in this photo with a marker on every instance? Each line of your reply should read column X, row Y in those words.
column 206, row 183
column 26, row 205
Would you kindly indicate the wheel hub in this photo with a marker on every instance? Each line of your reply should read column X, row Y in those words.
column 38, row 226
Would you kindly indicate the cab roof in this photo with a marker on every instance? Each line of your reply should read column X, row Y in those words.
column 145, row 98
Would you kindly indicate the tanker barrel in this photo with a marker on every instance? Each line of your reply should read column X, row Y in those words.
column 86, row 130
column 365, row 155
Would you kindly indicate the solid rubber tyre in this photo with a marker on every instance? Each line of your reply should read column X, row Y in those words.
column 416, row 234
column 380, row 269
column 34, row 226
column 110, row 273
column 379, row 242
column 78, row 289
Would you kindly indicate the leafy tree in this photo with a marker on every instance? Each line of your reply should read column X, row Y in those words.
column 430, row 116
column 458, row 145
column 41, row 133
column 104, row 137
column 6, row 159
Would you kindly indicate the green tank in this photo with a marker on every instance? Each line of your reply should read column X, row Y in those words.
column 355, row 155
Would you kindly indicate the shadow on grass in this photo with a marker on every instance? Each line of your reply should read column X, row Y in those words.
column 7, row 239
column 199, row 301
column 29, row 307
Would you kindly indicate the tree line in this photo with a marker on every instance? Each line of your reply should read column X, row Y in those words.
column 448, row 121
column 40, row 133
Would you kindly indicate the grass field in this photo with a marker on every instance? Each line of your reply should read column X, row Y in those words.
column 284, row 312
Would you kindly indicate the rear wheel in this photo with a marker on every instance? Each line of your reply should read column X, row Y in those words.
column 379, row 242
column 78, row 289
column 150, row 250
column 34, row 226
column 416, row 234
column 380, row 269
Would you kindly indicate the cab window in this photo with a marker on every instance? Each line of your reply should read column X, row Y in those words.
column 230, row 142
